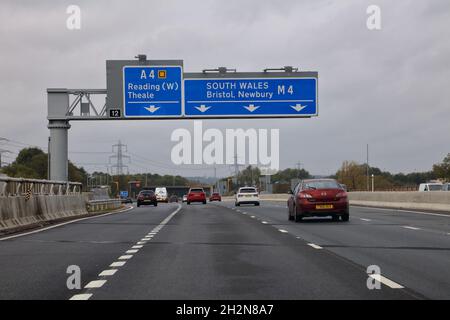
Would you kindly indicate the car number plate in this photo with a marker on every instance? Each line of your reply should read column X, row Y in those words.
column 324, row 206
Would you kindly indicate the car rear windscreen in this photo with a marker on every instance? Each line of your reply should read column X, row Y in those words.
column 248, row 190
column 150, row 192
column 322, row 184
column 196, row 190
column 435, row 187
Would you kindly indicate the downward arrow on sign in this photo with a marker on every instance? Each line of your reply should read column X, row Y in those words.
column 151, row 108
column 298, row 107
column 251, row 107
column 202, row 108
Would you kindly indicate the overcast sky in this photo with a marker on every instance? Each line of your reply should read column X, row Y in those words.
column 389, row 88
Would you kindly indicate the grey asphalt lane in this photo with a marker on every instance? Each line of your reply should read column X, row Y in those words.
column 213, row 252
column 34, row 266
column 411, row 248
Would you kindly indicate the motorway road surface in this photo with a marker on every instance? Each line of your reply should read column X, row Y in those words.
column 217, row 251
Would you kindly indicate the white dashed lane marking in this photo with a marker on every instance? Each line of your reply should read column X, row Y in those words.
column 391, row 284
column 315, row 246
column 109, row 272
column 282, row 230
column 134, row 249
column 411, row 228
column 364, row 219
column 118, row 264
column 95, row 284
column 83, row 296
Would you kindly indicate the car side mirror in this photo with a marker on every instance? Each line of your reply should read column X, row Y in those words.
column 290, row 192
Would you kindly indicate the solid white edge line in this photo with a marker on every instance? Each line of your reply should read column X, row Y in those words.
column 315, row 246
column 391, row 284
column 81, row 296
column 95, row 284
column 64, row 223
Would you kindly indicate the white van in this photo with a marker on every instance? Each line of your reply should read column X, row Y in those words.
column 430, row 186
column 161, row 195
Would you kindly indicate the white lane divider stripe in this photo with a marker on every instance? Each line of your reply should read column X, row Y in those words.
column 99, row 283
column 95, row 284
column 315, row 246
column 264, row 222
column 126, row 257
column 82, row 296
column 364, row 219
column 411, row 228
column 118, row 264
column 282, row 230
column 109, row 272
column 391, row 284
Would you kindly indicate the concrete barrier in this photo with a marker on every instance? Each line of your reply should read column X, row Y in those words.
column 17, row 211
column 435, row 200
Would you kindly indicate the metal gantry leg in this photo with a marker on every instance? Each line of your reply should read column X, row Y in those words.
column 58, row 153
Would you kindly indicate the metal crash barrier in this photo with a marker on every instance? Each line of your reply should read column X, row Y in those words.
column 22, row 187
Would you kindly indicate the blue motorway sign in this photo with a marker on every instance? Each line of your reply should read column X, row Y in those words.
column 124, row 194
column 252, row 97
column 152, row 91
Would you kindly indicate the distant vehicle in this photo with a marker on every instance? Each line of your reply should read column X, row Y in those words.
column 247, row 195
column 173, row 198
column 215, row 196
column 430, row 186
column 184, row 198
column 318, row 197
column 126, row 200
column 446, row 187
column 146, row 197
column 161, row 194
column 196, row 195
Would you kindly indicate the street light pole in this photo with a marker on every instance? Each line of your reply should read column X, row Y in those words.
column 373, row 183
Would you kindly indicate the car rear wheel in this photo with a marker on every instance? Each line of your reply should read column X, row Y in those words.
column 204, row 202
column 257, row 204
column 345, row 217
column 188, row 202
column 237, row 204
column 335, row 217
column 290, row 217
column 155, row 204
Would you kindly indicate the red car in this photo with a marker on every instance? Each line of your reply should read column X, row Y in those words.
column 215, row 196
column 320, row 198
column 146, row 197
column 196, row 195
